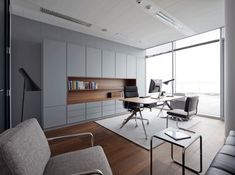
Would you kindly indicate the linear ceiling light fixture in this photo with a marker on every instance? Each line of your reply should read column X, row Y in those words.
column 65, row 17
column 151, row 8
column 166, row 18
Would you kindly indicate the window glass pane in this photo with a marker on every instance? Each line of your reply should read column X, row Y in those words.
column 198, row 73
column 159, row 49
column 204, row 37
column 159, row 67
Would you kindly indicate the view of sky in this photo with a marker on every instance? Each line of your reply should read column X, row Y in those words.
column 196, row 69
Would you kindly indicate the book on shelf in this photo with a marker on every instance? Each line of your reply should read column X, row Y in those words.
column 80, row 85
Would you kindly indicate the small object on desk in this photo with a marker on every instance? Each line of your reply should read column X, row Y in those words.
column 177, row 135
column 115, row 94
column 144, row 96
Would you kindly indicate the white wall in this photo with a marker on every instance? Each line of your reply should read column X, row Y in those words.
column 229, row 104
column 27, row 37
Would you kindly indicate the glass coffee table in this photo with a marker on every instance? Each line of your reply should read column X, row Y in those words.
column 184, row 144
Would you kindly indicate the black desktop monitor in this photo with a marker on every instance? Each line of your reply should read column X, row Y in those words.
column 155, row 86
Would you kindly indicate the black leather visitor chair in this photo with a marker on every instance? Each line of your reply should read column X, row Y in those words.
column 129, row 92
column 189, row 110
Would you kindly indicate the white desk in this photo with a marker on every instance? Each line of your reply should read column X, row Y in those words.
column 143, row 101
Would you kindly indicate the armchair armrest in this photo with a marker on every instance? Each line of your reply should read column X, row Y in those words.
column 74, row 135
column 92, row 172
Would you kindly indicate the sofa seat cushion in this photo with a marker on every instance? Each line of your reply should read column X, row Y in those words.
column 216, row 171
column 230, row 140
column 24, row 149
column 232, row 133
column 228, row 149
column 224, row 162
column 74, row 162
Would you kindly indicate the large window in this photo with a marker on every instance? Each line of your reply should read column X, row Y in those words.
column 159, row 67
column 196, row 68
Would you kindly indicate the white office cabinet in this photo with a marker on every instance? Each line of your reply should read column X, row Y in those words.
column 120, row 65
column 108, row 64
column 93, row 66
column 76, row 60
column 54, row 83
column 141, row 76
column 119, row 107
column 131, row 66
column 93, row 110
column 108, row 107
column 76, row 112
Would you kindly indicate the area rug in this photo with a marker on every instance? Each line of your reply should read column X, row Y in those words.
column 136, row 134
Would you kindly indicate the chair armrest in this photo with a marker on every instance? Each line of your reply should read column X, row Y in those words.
column 92, row 172
column 74, row 135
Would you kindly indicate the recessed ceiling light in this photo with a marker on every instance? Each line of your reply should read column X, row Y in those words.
column 104, row 30
column 148, row 7
column 139, row 1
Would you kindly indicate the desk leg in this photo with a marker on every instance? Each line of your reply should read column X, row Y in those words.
column 128, row 118
column 169, row 106
column 161, row 109
column 143, row 125
column 151, row 156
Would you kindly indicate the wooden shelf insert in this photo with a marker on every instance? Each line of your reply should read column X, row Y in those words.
column 106, row 86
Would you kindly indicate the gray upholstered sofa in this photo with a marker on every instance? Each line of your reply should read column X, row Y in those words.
column 224, row 161
column 24, row 150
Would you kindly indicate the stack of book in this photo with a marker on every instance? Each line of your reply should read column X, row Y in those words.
column 79, row 85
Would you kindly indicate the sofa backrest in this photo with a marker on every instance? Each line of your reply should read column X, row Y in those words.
column 24, row 150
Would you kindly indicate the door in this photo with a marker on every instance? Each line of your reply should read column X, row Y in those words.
column 4, row 65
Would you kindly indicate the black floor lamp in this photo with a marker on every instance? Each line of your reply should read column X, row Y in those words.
column 29, row 85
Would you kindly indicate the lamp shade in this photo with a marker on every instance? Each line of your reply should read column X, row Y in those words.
column 168, row 81
column 30, row 85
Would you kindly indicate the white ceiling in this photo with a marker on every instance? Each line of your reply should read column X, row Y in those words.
column 127, row 21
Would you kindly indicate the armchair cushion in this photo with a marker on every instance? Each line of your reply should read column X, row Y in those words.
column 24, row 150
column 180, row 113
column 78, row 161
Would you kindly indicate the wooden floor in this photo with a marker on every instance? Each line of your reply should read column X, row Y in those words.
column 126, row 158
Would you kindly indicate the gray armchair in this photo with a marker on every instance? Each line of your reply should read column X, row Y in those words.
column 24, row 150
column 178, row 103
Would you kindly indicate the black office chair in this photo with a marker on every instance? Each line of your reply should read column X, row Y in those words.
column 189, row 110
column 132, row 91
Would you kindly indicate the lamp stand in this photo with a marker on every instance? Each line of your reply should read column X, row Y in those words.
column 22, row 108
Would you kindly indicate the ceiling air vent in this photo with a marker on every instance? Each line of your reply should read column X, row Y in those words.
column 65, row 17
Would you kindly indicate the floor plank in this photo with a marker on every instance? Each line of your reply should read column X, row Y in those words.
column 126, row 158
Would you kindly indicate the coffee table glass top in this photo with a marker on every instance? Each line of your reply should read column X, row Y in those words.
column 182, row 143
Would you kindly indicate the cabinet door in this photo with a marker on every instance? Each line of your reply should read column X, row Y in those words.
column 54, row 73
column 76, row 60
column 119, row 107
column 141, row 81
column 120, row 65
column 108, row 64
column 93, row 62
column 76, row 113
column 93, row 110
column 108, row 107
column 54, row 116
column 131, row 66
